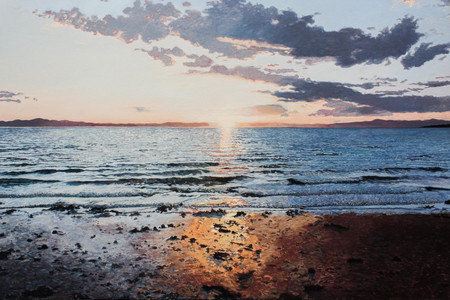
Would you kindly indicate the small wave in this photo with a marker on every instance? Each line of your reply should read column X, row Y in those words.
column 16, row 158
column 43, row 171
column 328, row 154
column 194, row 164
column 367, row 178
column 432, row 188
column 205, row 180
column 400, row 169
column 321, row 193
column 23, row 165
column 371, row 147
column 78, row 195
column 20, row 181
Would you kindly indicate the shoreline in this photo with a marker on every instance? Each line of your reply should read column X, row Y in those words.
column 67, row 252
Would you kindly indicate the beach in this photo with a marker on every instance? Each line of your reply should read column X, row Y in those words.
column 68, row 251
column 242, row 213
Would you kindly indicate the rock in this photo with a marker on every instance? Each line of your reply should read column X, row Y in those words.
column 143, row 229
column 245, row 279
column 10, row 211
column 266, row 214
column 239, row 214
column 62, row 207
column 353, row 260
column 335, row 227
column 447, row 202
column 212, row 213
column 220, row 292
column 40, row 292
column 220, row 255
column 165, row 208
column 295, row 212
column 310, row 289
column 4, row 254
column 43, row 247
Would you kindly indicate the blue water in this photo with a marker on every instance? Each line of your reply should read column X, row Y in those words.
column 256, row 167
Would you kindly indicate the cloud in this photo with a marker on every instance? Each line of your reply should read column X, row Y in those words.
column 199, row 61
column 357, row 103
column 163, row 54
column 7, row 96
column 364, row 104
column 433, row 84
column 141, row 109
column 239, row 29
column 347, row 109
column 237, row 19
column 251, row 73
column 424, row 53
column 262, row 110
column 147, row 22
column 410, row 3
column 10, row 100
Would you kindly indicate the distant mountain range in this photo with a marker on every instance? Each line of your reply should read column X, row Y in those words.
column 377, row 123
column 39, row 122
column 53, row 123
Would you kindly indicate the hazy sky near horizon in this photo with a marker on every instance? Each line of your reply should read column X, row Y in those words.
column 229, row 61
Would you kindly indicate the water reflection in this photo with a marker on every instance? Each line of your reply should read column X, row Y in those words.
column 237, row 255
column 225, row 154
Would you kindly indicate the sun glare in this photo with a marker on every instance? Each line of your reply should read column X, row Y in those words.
column 226, row 124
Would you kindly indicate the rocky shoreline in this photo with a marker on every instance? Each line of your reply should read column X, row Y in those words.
column 182, row 253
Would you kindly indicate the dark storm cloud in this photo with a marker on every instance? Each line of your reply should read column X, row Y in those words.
column 239, row 20
column 147, row 21
column 424, row 53
column 363, row 104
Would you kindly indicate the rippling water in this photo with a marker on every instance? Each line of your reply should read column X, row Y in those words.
column 256, row 167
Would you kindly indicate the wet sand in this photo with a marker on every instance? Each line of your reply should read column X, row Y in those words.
column 176, row 252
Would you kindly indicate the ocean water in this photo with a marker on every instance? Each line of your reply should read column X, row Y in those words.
column 213, row 167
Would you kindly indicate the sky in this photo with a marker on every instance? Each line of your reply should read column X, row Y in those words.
column 225, row 62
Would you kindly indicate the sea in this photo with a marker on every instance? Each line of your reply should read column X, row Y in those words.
column 314, row 169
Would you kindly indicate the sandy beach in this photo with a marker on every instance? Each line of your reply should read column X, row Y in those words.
column 178, row 252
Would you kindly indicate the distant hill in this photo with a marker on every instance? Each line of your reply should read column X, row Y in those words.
column 64, row 123
column 437, row 126
column 378, row 123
